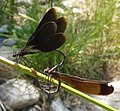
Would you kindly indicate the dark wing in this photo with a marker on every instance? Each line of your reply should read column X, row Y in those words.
column 48, row 36
column 61, row 24
column 51, row 44
column 87, row 86
column 44, row 33
column 51, row 15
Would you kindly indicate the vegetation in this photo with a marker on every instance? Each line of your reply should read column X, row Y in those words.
column 92, row 37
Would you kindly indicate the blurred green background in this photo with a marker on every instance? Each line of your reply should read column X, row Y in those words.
column 92, row 45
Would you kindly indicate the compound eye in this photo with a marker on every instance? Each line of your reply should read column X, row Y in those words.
column 14, row 54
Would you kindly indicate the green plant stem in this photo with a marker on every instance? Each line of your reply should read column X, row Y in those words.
column 28, row 71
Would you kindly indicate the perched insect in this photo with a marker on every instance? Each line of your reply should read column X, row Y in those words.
column 84, row 85
column 47, row 37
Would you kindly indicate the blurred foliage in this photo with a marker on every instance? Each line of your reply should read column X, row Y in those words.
column 92, row 36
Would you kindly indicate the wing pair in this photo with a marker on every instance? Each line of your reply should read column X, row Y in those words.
column 85, row 85
column 48, row 36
